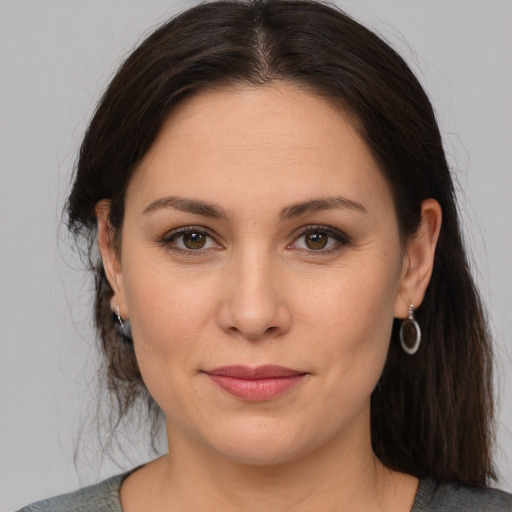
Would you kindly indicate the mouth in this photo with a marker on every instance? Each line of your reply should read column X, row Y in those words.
column 256, row 384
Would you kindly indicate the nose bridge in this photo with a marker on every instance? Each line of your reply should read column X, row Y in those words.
column 253, row 269
column 254, row 306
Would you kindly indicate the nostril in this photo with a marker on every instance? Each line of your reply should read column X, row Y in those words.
column 255, row 333
column 253, row 312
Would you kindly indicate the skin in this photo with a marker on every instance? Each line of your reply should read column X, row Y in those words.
column 261, row 292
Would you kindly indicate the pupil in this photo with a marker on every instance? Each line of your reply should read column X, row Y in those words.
column 194, row 240
column 316, row 240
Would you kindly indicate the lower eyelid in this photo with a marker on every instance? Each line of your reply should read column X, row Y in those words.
column 169, row 240
column 334, row 247
column 339, row 237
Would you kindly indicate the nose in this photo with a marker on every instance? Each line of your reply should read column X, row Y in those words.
column 254, row 300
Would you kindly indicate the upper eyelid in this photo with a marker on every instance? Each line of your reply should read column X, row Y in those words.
column 169, row 236
column 327, row 229
column 295, row 232
column 340, row 238
column 295, row 235
column 188, row 229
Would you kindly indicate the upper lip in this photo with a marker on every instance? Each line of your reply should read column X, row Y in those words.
column 261, row 372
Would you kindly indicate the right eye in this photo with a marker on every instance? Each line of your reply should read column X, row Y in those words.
column 189, row 240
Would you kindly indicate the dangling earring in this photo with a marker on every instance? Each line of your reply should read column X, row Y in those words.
column 410, row 331
column 122, row 327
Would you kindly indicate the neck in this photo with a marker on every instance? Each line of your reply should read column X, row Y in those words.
column 342, row 474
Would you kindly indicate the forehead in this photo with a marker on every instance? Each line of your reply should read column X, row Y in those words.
column 257, row 142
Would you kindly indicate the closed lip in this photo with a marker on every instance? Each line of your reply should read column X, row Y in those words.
column 269, row 371
column 256, row 384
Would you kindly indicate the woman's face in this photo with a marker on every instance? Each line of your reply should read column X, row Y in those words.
column 259, row 231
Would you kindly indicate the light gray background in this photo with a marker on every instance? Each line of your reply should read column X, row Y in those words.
column 55, row 58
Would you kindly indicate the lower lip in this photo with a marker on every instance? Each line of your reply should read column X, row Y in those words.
column 257, row 389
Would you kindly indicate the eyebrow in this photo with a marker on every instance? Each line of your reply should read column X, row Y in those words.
column 205, row 209
column 318, row 205
column 187, row 205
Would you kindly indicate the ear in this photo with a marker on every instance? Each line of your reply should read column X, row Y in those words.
column 110, row 256
column 418, row 260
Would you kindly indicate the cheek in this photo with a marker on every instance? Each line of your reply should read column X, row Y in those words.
column 354, row 302
column 354, row 338
column 351, row 318
column 168, row 320
column 161, row 298
column 168, row 316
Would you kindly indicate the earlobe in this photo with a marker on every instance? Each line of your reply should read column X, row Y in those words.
column 419, row 259
column 109, row 254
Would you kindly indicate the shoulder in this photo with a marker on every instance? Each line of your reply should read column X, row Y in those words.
column 435, row 496
column 102, row 497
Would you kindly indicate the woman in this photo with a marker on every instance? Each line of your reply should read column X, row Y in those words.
column 282, row 272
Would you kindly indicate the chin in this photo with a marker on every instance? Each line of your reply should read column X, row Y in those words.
column 260, row 455
column 263, row 443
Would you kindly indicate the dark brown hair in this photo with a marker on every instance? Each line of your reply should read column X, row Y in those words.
column 431, row 413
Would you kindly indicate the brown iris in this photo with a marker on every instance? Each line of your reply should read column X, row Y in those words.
column 316, row 240
column 194, row 240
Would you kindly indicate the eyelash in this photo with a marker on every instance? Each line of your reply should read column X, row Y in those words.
column 168, row 239
column 340, row 238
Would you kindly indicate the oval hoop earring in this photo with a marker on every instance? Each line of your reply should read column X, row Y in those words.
column 410, row 332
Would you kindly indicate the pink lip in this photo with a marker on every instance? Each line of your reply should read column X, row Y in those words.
column 255, row 384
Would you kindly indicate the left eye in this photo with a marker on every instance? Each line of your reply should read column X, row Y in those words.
column 318, row 239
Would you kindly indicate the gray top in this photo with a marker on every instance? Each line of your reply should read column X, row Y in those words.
column 430, row 497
